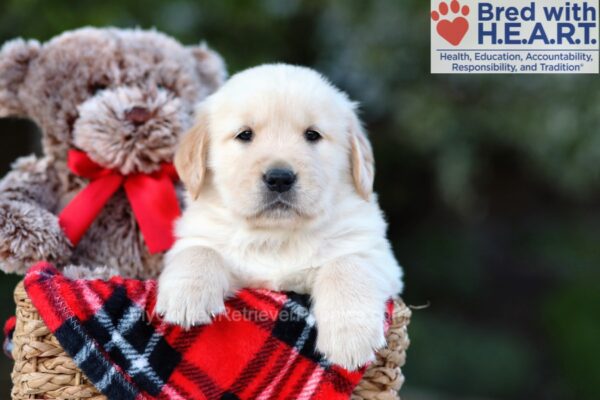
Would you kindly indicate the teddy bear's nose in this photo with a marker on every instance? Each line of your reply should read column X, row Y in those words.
column 138, row 115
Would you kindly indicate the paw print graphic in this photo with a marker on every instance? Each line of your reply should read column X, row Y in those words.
column 453, row 30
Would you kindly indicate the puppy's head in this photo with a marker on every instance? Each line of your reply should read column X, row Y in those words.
column 278, row 144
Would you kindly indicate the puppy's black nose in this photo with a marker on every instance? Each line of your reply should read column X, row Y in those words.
column 138, row 115
column 279, row 180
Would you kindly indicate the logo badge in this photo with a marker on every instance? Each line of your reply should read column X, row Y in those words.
column 514, row 36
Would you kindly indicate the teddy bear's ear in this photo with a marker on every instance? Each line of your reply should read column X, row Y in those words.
column 210, row 66
column 15, row 57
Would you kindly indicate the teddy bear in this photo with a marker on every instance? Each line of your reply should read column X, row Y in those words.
column 111, row 105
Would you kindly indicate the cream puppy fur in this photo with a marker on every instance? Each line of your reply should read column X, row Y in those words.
column 279, row 174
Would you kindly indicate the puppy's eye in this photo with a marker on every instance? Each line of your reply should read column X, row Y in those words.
column 312, row 136
column 245, row 135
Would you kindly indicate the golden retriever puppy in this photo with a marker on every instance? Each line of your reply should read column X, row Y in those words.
column 279, row 174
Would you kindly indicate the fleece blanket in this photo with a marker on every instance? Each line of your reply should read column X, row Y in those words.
column 262, row 348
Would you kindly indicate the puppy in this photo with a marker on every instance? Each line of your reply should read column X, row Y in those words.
column 279, row 174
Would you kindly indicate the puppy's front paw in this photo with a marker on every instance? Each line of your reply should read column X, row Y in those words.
column 191, row 301
column 350, row 339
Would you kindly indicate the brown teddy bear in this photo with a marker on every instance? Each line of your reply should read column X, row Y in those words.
column 116, row 102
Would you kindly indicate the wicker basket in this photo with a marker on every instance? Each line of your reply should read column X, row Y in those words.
column 43, row 370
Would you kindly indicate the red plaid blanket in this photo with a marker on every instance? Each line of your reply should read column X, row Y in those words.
column 262, row 348
column 9, row 329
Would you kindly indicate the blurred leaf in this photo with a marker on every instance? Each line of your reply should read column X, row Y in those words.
column 572, row 323
column 453, row 356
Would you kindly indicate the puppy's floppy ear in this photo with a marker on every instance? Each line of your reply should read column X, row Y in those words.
column 15, row 57
column 191, row 156
column 210, row 66
column 363, row 165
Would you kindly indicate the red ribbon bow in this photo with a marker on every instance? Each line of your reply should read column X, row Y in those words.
column 152, row 198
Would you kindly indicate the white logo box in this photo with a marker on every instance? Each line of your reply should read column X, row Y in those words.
column 514, row 36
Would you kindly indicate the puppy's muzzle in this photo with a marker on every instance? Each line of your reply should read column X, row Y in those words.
column 279, row 180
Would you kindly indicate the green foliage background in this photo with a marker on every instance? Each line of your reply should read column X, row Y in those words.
column 491, row 184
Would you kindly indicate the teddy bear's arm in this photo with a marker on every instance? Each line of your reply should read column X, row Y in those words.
column 29, row 228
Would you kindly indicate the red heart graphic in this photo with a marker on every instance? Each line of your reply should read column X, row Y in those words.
column 454, row 31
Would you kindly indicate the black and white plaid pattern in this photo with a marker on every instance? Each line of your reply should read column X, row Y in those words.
column 296, row 326
column 122, row 331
